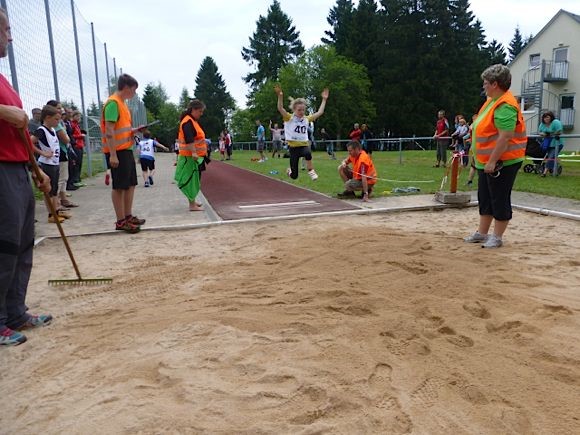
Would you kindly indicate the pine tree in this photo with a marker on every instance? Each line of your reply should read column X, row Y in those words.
column 211, row 89
column 154, row 97
column 340, row 20
column 274, row 44
column 93, row 109
column 184, row 99
column 496, row 53
column 516, row 44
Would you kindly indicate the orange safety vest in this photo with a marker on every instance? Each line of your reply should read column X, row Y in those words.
column 363, row 159
column 123, row 132
column 199, row 143
column 486, row 132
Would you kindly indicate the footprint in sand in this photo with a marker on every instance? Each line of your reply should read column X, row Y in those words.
column 476, row 309
column 453, row 338
column 427, row 393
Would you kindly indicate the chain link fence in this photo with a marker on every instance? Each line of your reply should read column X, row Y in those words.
column 56, row 55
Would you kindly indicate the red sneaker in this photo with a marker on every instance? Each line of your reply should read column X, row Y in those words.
column 107, row 179
column 135, row 220
column 127, row 226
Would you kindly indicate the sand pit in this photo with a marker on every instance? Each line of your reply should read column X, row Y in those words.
column 293, row 327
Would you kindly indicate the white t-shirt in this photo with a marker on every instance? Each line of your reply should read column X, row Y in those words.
column 147, row 149
column 51, row 145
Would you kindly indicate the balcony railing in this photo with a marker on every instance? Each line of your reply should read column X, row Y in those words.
column 567, row 118
column 555, row 71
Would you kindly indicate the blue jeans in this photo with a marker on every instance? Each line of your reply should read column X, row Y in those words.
column 552, row 155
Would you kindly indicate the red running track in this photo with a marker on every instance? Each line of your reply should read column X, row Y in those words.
column 236, row 193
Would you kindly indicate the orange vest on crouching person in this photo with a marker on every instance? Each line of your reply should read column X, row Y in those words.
column 122, row 132
column 199, row 144
column 486, row 133
column 363, row 159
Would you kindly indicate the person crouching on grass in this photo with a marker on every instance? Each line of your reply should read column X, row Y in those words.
column 296, row 131
column 362, row 175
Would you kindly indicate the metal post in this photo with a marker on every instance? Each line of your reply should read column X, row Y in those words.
column 115, row 69
column 107, row 68
column 80, row 72
column 96, row 65
column 400, row 151
column 51, row 44
column 11, row 61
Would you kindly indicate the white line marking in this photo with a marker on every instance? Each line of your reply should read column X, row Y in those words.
column 279, row 204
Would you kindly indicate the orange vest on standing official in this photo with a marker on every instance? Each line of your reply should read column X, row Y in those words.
column 486, row 133
column 123, row 132
column 199, row 143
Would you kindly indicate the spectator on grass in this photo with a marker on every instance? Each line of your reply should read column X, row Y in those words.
column 361, row 176
column 366, row 139
column 328, row 143
column 440, row 136
column 228, row 143
column 551, row 127
column 355, row 133
column 261, row 140
column 499, row 143
column 276, row 139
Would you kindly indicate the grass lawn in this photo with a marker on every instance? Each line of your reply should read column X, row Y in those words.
column 415, row 166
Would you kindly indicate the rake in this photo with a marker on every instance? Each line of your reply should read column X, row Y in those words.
column 54, row 282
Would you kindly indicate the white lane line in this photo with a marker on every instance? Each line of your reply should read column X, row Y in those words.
column 279, row 204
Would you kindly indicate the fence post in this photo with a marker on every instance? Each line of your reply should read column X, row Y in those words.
column 51, row 44
column 80, row 71
column 11, row 60
column 96, row 65
column 115, row 69
column 108, row 73
column 400, row 151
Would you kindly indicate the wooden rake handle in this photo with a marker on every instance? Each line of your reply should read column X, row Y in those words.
column 28, row 144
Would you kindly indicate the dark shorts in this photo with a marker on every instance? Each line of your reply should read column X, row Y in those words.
column 295, row 154
column 125, row 175
column 147, row 164
column 53, row 172
column 261, row 145
column 494, row 194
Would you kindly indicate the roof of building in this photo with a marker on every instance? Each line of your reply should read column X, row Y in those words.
column 560, row 12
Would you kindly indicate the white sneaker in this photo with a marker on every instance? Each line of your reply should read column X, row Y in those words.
column 492, row 241
column 260, row 161
column 289, row 172
column 313, row 174
column 476, row 237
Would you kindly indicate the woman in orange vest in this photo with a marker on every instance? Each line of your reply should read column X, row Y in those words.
column 192, row 153
column 499, row 144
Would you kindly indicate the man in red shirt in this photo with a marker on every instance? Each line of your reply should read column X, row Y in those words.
column 441, row 131
column 16, row 211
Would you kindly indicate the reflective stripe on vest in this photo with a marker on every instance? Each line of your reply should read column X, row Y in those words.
column 122, row 132
column 199, row 144
column 487, row 133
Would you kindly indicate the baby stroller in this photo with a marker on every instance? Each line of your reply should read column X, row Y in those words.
column 535, row 151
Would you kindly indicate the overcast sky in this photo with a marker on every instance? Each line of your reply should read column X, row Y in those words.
column 165, row 41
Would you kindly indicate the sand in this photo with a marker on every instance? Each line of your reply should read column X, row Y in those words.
column 364, row 324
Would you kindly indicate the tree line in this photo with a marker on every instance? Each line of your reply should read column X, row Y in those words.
column 391, row 64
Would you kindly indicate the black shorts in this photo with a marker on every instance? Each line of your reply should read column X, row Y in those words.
column 125, row 175
column 147, row 164
column 494, row 194
column 53, row 172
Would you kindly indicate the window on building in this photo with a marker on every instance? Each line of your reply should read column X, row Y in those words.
column 561, row 55
column 534, row 60
column 567, row 101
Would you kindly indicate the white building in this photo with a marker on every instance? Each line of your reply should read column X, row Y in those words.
column 546, row 75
